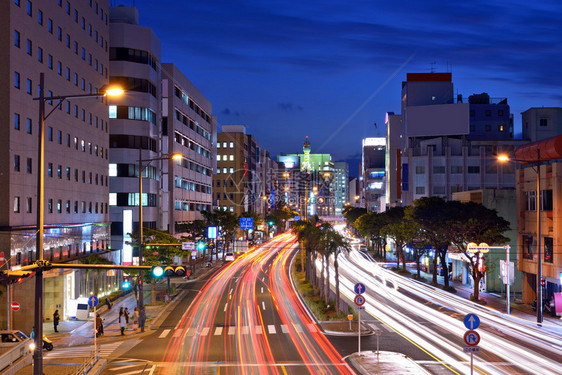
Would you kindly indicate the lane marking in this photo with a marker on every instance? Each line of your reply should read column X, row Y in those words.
column 263, row 305
column 190, row 332
column 284, row 328
column 164, row 333
column 231, row 330
column 271, row 329
column 178, row 332
column 225, row 306
column 205, row 331
column 262, row 290
column 298, row 328
column 245, row 330
column 259, row 330
column 218, row 331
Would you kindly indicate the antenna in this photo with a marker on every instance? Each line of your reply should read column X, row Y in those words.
column 432, row 69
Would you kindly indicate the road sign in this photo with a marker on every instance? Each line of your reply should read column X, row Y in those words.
column 378, row 332
column 188, row 246
column 471, row 349
column 349, row 316
column 471, row 338
column 360, row 307
column 15, row 306
column 246, row 223
column 359, row 300
column 2, row 259
column 93, row 301
column 359, row 288
column 471, row 321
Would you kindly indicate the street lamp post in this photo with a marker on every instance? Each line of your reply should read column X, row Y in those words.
column 140, row 302
column 39, row 241
column 504, row 158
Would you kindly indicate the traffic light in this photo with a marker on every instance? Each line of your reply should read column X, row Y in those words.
column 270, row 222
column 126, row 283
column 543, row 282
column 14, row 277
column 201, row 246
column 170, row 271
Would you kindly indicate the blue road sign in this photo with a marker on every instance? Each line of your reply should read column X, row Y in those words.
column 246, row 223
column 359, row 288
column 471, row 321
column 93, row 301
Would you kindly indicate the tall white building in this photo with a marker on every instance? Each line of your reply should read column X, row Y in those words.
column 68, row 43
column 373, row 174
column 340, row 186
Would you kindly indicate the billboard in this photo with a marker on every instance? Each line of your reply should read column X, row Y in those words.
column 437, row 120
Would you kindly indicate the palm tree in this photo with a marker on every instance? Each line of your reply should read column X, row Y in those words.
column 333, row 243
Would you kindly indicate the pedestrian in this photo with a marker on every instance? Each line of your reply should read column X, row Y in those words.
column 108, row 302
column 121, row 310
column 122, row 322
column 136, row 318
column 127, row 315
column 56, row 318
column 99, row 326
column 142, row 318
column 32, row 335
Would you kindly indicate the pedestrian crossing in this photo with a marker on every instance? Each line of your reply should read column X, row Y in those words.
column 232, row 330
column 105, row 350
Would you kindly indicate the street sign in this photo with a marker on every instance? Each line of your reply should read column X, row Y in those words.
column 359, row 288
column 471, row 321
column 349, row 316
column 246, row 223
column 360, row 307
column 2, row 259
column 378, row 332
column 93, row 301
column 359, row 300
column 188, row 246
column 471, row 349
column 193, row 254
column 212, row 232
column 15, row 306
column 471, row 338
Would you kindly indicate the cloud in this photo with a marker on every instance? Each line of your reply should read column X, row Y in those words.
column 229, row 112
column 288, row 106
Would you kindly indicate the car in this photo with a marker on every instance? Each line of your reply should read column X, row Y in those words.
column 229, row 257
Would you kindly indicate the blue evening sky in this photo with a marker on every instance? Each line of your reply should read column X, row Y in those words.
column 331, row 69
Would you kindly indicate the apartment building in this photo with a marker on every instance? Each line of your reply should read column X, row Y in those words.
column 190, row 129
column 67, row 42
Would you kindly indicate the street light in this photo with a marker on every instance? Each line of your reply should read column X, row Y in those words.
column 505, row 158
column 41, row 264
column 176, row 157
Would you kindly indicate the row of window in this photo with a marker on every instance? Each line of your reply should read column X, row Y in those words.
column 90, row 178
column 132, row 199
column 487, row 113
column 180, row 205
column 184, row 184
column 57, row 206
column 195, row 167
column 471, row 169
column 531, row 200
column 133, row 84
column 231, row 182
column 225, row 170
column 224, row 196
column 132, row 170
column 133, row 141
column 132, row 113
column 225, row 157
column 133, row 55
column 186, row 142
column 488, row 128
column 187, row 100
column 529, row 244
column 192, row 125
column 225, row 145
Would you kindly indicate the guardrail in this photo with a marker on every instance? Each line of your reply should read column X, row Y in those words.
column 87, row 364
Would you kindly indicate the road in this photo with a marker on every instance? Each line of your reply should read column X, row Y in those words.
column 432, row 320
column 245, row 319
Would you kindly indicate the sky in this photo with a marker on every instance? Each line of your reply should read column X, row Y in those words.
column 330, row 70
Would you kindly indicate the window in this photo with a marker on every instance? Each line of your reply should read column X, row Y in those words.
column 231, row 145
column 59, row 171
column 420, row 189
column 59, row 33
column 59, row 137
column 500, row 128
column 231, row 158
column 50, row 133
column 16, row 80
column 29, row 126
column 68, row 7
column 531, row 201
column 76, row 48
column 420, row 169
column 440, row 190
column 50, row 206
column 67, row 207
column 29, row 47
column 473, row 169
column 500, row 112
column 16, row 163
column 16, row 121
column 50, row 26
column 68, row 40
column 59, row 68
column 546, row 200
column 40, row 17
column 59, row 206
column 472, row 113
column 29, row 204
column 16, row 204
column 548, row 249
column 543, row 122
column 29, row 87
column 437, row 169
column 29, row 8
column 488, row 113
column 68, row 173
column 50, row 169
column 40, row 54
column 456, row 169
column 17, row 38
column 68, row 74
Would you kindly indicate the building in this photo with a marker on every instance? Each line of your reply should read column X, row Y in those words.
column 244, row 173
column 449, row 146
column 190, row 129
column 136, row 130
column 395, row 144
column 68, row 44
column 373, row 174
column 541, row 122
column 341, row 187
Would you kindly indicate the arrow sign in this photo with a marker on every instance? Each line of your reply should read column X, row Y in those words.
column 359, row 288
column 471, row 321
column 93, row 301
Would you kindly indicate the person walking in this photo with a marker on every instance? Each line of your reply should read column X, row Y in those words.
column 142, row 319
column 122, row 322
column 127, row 315
column 136, row 318
column 99, row 325
column 56, row 319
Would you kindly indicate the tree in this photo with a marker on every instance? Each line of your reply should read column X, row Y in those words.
column 370, row 225
column 333, row 242
column 227, row 221
column 351, row 214
column 434, row 216
column 94, row 259
column 476, row 223
column 401, row 229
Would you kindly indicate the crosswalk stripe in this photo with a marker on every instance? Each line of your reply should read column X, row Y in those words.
column 259, row 330
column 205, row 331
column 178, row 332
column 284, row 328
column 164, row 333
column 271, row 329
column 82, row 351
column 245, row 330
column 218, row 331
column 312, row 327
column 231, row 330
column 298, row 328
column 190, row 332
